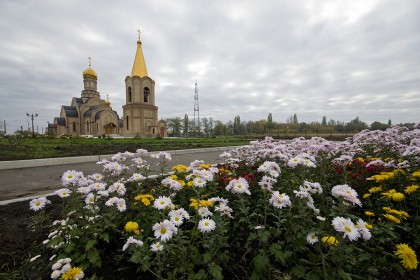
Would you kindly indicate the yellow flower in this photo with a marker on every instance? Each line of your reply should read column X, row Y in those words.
column 368, row 226
column 182, row 182
column 190, row 184
column 205, row 165
column 329, row 240
column 145, row 198
column 392, row 218
column 397, row 196
column 407, row 255
column 201, row 203
column 375, row 189
column 368, row 213
column 386, row 209
column 416, row 175
column 132, row 227
column 400, row 213
column 411, row 189
column 73, row 273
column 366, row 195
column 180, row 168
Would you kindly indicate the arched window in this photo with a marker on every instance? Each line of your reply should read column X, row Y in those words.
column 74, row 126
column 146, row 92
column 87, row 126
column 129, row 94
column 126, row 121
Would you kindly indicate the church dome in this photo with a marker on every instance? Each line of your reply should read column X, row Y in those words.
column 90, row 73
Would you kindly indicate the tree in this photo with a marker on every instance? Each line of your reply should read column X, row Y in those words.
column 185, row 132
column 219, row 128
column 324, row 120
column 389, row 123
column 295, row 120
column 269, row 122
column 237, row 125
column 206, row 126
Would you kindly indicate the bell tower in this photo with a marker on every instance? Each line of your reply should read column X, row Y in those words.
column 140, row 115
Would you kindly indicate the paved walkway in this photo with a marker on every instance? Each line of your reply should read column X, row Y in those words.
column 30, row 181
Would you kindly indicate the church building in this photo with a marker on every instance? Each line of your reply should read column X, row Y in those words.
column 91, row 115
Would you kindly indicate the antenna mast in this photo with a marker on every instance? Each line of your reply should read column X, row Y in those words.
column 196, row 111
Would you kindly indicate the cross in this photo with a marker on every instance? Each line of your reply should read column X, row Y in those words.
column 138, row 31
column 90, row 61
column 107, row 97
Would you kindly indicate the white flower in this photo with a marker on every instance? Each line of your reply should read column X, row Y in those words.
column 55, row 274
column 347, row 227
column 204, row 212
column 363, row 230
column 164, row 230
column 132, row 240
column 239, row 185
column 280, row 200
column 176, row 217
column 199, row 182
column 38, row 203
column 311, row 238
column 259, row 227
column 65, row 267
column 347, row 193
column 96, row 177
column 34, row 258
column 320, row 218
column 162, row 202
column 71, row 177
column 156, row 247
column 206, row 225
column 64, row 192
column 111, row 201
column 121, row 205
column 90, row 198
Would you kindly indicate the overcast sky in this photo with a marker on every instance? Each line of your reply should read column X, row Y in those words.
column 335, row 58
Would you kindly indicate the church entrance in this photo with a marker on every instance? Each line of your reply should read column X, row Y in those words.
column 110, row 128
column 162, row 132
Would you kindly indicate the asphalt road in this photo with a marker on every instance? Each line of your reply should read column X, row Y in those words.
column 26, row 182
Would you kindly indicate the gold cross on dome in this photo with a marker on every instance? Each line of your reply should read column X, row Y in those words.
column 90, row 61
column 138, row 31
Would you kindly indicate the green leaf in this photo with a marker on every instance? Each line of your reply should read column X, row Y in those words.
column 94, row 258
column 90, row 244
column 261, row 263
column 206, row 257
column 299, row 271
column 344, row 275
column 105, row 237
column 216, row 272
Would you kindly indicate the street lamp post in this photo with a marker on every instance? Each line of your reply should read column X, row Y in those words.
column 32, row 119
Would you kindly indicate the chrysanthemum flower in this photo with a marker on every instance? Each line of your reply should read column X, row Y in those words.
column 331, row 240
column 347, row 227
column 411, row 189
column 121, row 205
column 176, row 217
column 90, row 199
column 64, row 192
column 145, row 198
column 363, row 228
column 132, row 240
column 239, row 185
column 96, row 177
column 392, row 218
column 369, row 213
column 70, row 178
column 407, row 255
column 199, row 182
column 206, row 225
column 74, row 273
column 156, row 247
column 162, row 202
column 164, row 230
column 311, row 238
column 204, row 212
column 347, row 193
column 280, row 200
column 55, row 274
column 38, row 203
column 132, row 227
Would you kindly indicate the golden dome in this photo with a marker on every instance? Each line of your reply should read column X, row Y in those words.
column 90, row 73
column 107, row 102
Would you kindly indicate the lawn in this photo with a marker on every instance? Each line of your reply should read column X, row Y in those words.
column 35, row 148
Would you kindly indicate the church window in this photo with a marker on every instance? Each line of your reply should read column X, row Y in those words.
column 74, row 126
column 87, row 126
column 129, row 94
column 126, row 121
column 146, row 92
column 153, row 131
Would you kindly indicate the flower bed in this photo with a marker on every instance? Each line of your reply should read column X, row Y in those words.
column 311, row 209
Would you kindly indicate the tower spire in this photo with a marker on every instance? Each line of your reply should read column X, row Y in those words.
column 139, row 65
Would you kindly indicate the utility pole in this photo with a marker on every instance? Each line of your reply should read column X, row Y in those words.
column 32, row 119
column 196, row 111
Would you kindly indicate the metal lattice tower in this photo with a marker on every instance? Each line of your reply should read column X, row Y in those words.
column 196, row 111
